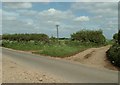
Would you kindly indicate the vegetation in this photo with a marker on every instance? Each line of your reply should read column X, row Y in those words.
column 119, row 37
column 115, row 37
column 0, row 37
column 25, row 46
column 25, row 37
column 89, row 36
column 42, row 44
column 59, row 50
column 113, row 53
column 64, row 49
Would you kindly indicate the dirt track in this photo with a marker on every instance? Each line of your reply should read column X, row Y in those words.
column 95, row 57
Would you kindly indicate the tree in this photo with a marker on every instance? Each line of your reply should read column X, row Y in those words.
column 26, row 37
column 119, row 37
column 115, row 37
column 89, row 36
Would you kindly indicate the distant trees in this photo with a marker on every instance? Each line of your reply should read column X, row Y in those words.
column 25, row 37
column 89, row 36
column 82, row 36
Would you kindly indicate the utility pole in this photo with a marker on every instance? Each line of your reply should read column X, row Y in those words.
column 57, row 32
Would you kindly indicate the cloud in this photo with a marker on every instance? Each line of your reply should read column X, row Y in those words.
column 91, row 16
column 98, row 8
column 27, row 0
column 27, row 13
column 97, row 0
column 9, row 15
column 40, row 21
column 61, row 1
column 103, row 15
column 1, row 21
column 82, row 18
column 16, row 26
column 55, row 14
column 17, row 5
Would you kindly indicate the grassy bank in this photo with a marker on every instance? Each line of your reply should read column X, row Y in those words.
column 63, row 49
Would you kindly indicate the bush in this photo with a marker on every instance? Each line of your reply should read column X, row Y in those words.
column 119, row 37
column 115, row 37
column 89, row 36
column 26, row 46
column 25, row 37
column 113, row 55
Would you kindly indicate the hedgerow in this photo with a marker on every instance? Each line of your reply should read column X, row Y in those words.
column 89, row 36
column 113, row 55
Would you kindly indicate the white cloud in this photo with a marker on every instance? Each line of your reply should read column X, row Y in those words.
column 55, row 14
column 60, row 0
column 0, row 14
column 17, row 5
column 9, row 15
column 0, row 21
column 26, row 1
column 27, row 13
column 97, row 0
column 53, row 22
column 24, row 20
column 82, row 18
column 98, row 8
column 52, row 11
column 104, row 14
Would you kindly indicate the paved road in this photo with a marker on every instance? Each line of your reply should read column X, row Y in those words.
column 69, row 71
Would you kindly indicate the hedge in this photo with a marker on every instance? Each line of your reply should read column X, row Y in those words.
column 113, row 54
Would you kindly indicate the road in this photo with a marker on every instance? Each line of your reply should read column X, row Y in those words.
column 69, row 71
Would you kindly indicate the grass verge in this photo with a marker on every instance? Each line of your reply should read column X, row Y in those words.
column 55, row 50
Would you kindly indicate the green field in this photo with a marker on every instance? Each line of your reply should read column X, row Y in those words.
column 51, row 46
column 63, row 49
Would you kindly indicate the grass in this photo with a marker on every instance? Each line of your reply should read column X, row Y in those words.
column 25, row 46
column 66, row 49
column 60, row 50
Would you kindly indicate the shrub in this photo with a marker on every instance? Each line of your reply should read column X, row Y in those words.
column 113, row 55
column 115, row 37
column 119, row 37
column 89, row 36
column 25, row 37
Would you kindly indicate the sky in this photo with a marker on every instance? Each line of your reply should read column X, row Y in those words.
column 42, row 17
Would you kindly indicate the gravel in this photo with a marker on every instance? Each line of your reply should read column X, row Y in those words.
column 15, row 73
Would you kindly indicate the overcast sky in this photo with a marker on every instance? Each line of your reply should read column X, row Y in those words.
column 41, row 17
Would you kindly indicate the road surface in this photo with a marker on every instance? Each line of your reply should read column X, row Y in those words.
column 69, row 71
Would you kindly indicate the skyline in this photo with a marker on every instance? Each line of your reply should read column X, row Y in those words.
column 41, row 17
